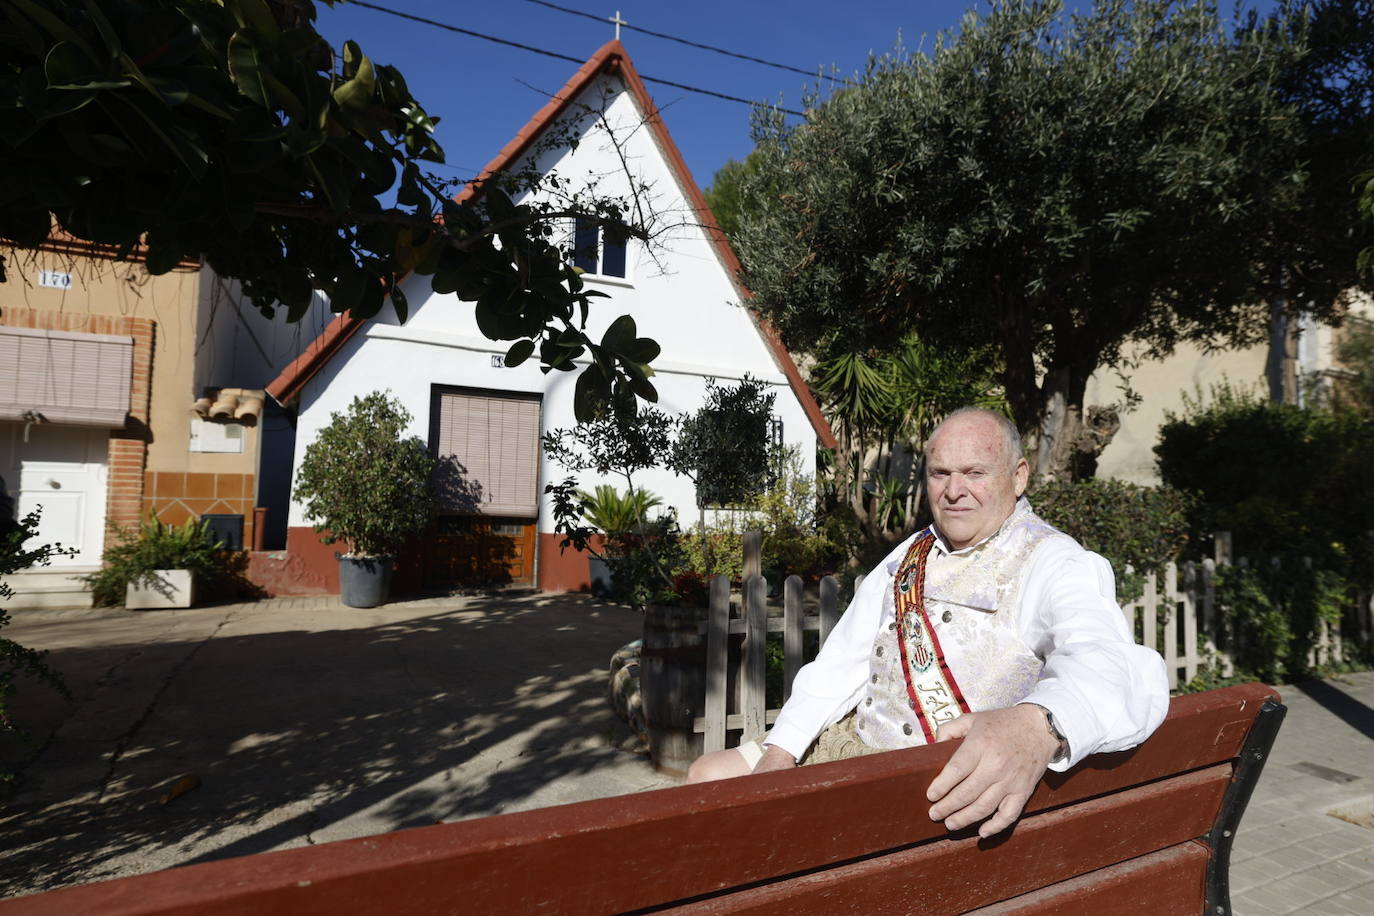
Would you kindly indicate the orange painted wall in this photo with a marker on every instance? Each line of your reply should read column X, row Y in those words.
column 174, row 497
column 308, row 567
column 562, row 570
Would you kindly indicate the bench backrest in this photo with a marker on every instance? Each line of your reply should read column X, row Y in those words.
column 1117, row 831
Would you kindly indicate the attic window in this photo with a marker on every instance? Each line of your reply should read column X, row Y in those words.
column 598, row 250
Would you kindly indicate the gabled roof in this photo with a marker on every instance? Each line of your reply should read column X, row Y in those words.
column 612, row 59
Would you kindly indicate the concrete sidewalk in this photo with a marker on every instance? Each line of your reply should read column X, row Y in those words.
column 1306, row 843
column 305, row 722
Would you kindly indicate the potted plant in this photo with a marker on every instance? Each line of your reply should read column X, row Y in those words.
column 368, row 486
column 158, row 566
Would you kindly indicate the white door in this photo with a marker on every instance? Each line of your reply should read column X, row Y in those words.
column 60, row 470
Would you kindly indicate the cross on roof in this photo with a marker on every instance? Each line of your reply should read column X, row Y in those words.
column 618, row 23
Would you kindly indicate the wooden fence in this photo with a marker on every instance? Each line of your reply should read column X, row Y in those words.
column 1179, row 618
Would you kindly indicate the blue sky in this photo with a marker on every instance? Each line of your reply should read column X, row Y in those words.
column 485, row 92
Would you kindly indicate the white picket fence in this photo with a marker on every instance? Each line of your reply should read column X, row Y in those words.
column 1167, row 617
column 1187, row 606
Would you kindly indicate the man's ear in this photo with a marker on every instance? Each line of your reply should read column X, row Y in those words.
column 1021, row 476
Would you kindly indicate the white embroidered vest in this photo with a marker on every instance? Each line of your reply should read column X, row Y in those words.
column 971, row 601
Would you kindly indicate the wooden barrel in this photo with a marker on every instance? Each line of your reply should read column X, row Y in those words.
column 672, row 684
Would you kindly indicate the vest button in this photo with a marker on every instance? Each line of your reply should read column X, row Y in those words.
column 947, row 616
column 875, row 679
column 906, row 729
column 878, row 651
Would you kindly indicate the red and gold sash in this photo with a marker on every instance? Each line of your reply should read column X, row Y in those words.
column 930, row 685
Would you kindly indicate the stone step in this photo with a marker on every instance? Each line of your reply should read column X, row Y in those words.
column 47, row 588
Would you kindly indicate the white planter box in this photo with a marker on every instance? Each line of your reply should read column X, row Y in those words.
column 166, row 588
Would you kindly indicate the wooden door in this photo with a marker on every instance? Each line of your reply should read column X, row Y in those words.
column 477, row 552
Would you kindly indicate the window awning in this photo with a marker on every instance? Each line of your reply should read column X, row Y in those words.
column 64, row 377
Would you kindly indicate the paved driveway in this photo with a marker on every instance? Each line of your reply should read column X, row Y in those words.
column 305, row 722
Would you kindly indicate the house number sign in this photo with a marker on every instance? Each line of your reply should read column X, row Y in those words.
column 57, row 279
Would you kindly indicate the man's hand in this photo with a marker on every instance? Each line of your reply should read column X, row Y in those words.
column 774, row 758
column 994, row 772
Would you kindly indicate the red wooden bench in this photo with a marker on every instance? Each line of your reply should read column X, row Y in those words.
column 1145, row 828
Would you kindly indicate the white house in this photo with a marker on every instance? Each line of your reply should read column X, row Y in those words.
column 682, row 291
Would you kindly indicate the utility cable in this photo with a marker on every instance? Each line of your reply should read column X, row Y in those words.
column 682, row 41
column 554, row 54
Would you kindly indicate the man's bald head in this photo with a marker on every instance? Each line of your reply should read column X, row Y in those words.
column 1007, row 429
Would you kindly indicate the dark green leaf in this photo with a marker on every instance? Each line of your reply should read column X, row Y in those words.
column 519, row 352
column 66, row 65
column 591, row 394
column 246, row 65
column 356, row 94
column 499, row 204
column 372, row 299
column 347, row 295
column 620, row 334
column 400, row 303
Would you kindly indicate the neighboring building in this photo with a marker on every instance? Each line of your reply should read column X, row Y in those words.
column 121, row 398
column 485, row 419
column 1293, row 367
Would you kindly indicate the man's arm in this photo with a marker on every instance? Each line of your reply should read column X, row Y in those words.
column 1105, row 693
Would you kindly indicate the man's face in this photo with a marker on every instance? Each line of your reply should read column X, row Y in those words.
column 972, row 485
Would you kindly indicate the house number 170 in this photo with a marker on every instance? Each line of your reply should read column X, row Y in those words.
column 57, row 279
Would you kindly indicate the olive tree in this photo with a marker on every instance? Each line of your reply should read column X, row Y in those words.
column 1069, row 189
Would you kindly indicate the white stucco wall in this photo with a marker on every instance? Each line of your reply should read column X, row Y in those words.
column 677, row 290
column 237, row 346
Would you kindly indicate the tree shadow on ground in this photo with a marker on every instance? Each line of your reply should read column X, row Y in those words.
column 302, row 736
column 1340, row 704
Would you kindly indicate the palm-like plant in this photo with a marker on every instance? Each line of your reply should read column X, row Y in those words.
column 613, row 512
column 884, row 406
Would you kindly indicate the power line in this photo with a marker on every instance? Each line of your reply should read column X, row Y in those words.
column 681, row 41
column 554, row 54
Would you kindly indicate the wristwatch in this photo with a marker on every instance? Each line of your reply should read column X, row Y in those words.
column 1055, row 731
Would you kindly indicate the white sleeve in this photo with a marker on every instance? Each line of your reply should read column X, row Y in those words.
column 1106, row 692
column 827, row 688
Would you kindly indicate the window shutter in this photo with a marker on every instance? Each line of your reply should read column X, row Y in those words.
column 488, row 449
column 65, row 377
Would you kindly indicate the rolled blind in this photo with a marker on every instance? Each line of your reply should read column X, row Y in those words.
column 488, row 449
column 65, row 377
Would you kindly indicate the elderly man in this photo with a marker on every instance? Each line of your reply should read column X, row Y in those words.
column 991, row 626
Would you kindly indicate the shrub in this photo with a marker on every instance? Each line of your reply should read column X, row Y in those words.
column 642, row 562
column 15, row 659
column 1128, row 524
column 136, row 552
column 718, row 551
column 1280, row 478
column 364, row 482
column 1270, row 614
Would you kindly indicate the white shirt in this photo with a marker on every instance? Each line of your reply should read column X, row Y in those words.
column 1106, row 692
